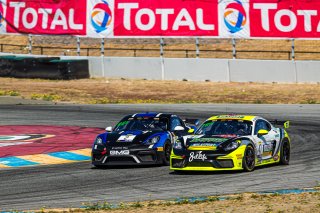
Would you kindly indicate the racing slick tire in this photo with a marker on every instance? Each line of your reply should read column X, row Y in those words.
column 166, row 153
column 249, row 160
column 99, row 167
column 285, row 152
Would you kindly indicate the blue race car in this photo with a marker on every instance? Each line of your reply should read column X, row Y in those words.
column 143, row 139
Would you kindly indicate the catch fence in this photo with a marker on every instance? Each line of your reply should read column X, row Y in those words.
column 168, row 47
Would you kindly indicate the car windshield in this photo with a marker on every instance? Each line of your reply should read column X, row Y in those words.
column 141, row 123
column 225, row 127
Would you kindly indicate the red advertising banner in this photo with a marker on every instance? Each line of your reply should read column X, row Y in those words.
column 166, row 18
column 286, row 18
column 162, row 18
column 46, row 16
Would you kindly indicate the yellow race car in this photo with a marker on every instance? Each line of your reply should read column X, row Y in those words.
column 232, row 142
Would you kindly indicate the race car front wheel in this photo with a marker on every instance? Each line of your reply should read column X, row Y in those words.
column 167, row 153
column 248, row 162
column 285, row 153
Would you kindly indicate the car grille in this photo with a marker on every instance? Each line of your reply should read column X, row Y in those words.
column 121, row 159
column 199, row 164
column 225, row 163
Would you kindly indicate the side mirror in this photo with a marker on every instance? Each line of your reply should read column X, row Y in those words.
column 178, row 128
column 286, row 124
column 191, row 131
column 109, row 129
column 262, row 132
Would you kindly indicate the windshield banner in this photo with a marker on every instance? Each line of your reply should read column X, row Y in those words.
column 162, row 18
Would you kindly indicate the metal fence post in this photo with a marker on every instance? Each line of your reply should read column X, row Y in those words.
column 234, row 51
column 78, row 46
column 29, row 44
column 161, row 58
column 102, row 47
column 197, row 48
column 292, row 50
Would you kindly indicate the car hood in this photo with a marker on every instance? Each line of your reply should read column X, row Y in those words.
column 128, row 137
column 206, row 142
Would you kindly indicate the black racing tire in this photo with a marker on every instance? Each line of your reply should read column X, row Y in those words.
column 249, row 159
column 99, row 166
column 179, row 172
column 166, row 153
column 285, row 152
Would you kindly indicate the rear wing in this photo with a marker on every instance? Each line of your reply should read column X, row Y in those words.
column 192, row 121
column 286, row 124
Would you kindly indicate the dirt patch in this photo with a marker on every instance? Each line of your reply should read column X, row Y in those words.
column 104, row 91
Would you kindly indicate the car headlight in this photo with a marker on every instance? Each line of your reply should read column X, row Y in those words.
column 98, row 141
column 232, row 145
column 153, row 140
column 177, row 145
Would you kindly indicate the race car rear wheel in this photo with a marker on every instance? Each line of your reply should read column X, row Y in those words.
column 248, row 162
column 285, row 153
column 167, row 153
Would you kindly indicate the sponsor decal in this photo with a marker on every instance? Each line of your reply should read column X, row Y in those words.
column 203, row 144
column 101, row 17
column 126, row 138
column 197, row 156
column 207, row 124
column 235, row 16
column 230, row 116
column 160, row 149
column 119, row 152
column 122, row 123
column 120, row 147
column 208, row 140
column 267, row 147
column 239, row 156
column 276, row 157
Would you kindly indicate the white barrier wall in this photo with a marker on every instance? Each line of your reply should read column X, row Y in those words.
column 262, row 71
column 215, row 70
column 148, row 68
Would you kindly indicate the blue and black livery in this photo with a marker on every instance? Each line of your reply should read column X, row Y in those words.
column 142, row 138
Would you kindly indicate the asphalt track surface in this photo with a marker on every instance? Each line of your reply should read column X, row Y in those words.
column 70, row 185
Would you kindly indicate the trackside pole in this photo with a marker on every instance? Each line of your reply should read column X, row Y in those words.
column 292, row 49
column 78, row 46
column 293, row 60
column 102, row 57
column 197, row 48
column 161, row 58
column 234, row 53
column 29, row 44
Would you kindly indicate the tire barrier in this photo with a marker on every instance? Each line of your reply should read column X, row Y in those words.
column 43, row 67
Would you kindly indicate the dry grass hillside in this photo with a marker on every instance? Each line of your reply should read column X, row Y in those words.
column 104, row 91
column 209, row 48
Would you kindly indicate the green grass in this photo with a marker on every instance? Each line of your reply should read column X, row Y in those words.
column 9, row 93
column 46, row 97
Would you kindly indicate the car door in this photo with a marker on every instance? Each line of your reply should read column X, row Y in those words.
column 265, row 143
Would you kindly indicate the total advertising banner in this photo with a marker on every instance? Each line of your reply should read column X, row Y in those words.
column 162, row 18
